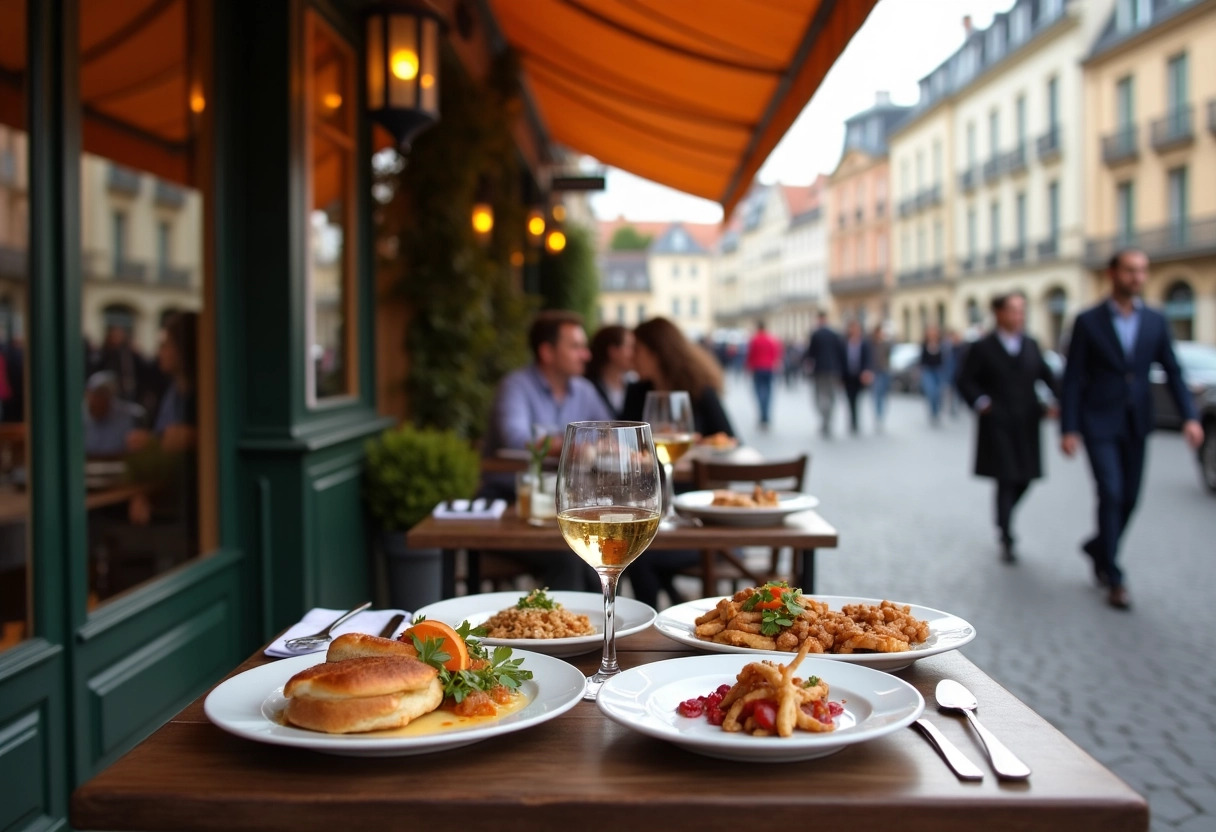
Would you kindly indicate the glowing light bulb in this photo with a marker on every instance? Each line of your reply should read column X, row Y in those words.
column 556, row 241
column 331, row 100
column 536, row 224
column 483, row 218
column 405, row 64
column 197, row 103
column 428, row 80
column 559, row 212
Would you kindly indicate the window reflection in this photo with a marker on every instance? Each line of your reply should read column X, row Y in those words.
column 330, row 266
column 16, row 614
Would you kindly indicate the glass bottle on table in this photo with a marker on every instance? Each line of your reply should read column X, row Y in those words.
column 608, row 504
column 669, row 414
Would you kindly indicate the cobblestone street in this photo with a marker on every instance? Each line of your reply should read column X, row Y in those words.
column 1132, row 688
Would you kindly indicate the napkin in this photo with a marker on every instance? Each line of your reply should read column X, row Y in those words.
column 479, row 509
column 318, row 618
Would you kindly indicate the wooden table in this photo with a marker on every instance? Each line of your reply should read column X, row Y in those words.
column 580, row 771
column 805, row 532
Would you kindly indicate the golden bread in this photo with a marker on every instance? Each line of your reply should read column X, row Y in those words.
column 362, row 645
column 360, row 678
column 364, row 713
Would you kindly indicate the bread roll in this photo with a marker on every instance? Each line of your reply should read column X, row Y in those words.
column 364, row 713
column 362, row 645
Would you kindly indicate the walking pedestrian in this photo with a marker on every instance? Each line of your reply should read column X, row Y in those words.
column 998, row 382
column 932, row 371
column 858, row 368
column 882, row 373
column 763, row 356
column 824, row 359
column 1107, row 403
column 952, row 362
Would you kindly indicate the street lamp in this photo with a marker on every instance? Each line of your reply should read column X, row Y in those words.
column 403, row 67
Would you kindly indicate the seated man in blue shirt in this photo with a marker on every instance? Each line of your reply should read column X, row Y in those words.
column 108, row 420
column 550, row 392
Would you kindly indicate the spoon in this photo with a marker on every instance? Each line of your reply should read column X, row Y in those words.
column 300, row 644
column 953, row 696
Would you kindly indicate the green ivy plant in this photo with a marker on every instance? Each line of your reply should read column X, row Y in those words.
column 570, row 278
column 411, row 470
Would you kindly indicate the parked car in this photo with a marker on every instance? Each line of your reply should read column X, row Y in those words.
column 1198, row 363
column 905, row 367
column 1207, row 451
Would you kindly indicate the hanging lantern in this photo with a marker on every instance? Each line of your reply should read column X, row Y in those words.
column 403, row 67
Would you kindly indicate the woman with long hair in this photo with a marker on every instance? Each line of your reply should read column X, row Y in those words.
column 611, row 366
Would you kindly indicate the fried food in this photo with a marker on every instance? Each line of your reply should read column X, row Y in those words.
column 779, row 617
column 759, row 498
column 768, row 699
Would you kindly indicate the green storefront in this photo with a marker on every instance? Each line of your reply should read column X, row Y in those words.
column 169, row 161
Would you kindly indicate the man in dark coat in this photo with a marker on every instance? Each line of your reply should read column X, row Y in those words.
column 825, row 359
column 858, row 369
column 998, row 381
column 1108, row 403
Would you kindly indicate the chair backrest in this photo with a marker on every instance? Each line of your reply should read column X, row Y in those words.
column 710, row 474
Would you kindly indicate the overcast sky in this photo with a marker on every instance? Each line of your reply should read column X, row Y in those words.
column 900, row 43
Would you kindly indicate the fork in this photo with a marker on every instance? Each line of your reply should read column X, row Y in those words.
column 300, row 644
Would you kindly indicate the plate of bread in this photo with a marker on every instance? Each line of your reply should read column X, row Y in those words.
column 755, row 507
column 376, row 697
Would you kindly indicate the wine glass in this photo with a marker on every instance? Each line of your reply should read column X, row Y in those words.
column 669, row 413
column 608, row 510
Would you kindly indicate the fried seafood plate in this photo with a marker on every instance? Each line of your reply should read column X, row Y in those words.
column 779, row 617
column 759, row 498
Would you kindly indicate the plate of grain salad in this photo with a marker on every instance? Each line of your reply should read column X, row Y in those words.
column 554, row 622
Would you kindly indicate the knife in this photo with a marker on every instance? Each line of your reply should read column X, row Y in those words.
column 390, row 629
column 957, row 760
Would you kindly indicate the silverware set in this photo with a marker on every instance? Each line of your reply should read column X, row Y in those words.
column 953, row 696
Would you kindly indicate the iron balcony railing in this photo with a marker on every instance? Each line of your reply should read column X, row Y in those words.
column 1017, row 254
column 1015, row 160
column 173, row 276
column 1175, row 129
column 1049, row 144
column 907, row 206
column 1049, row 249
column 122, row 180
column 911, row 276
column 857, row 284
column 1120, row 146
column 1176, row 241
column 968, row 179
column 992, row 259
column 992, row 168
column 935, row 274
column 130, row 271
column 929, row 197
column 969, row 263
column 169, row 196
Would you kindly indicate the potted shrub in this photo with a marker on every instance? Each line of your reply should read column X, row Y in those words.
column 409, row 471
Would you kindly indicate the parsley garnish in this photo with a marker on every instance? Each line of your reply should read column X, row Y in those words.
column 811, row 682
column 779, row 606
column 499, row 668
column 537, row 599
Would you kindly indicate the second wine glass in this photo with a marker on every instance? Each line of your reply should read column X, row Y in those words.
column 608, row 510
column 669, row 413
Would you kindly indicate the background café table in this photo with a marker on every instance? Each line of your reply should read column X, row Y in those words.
column 581, row 771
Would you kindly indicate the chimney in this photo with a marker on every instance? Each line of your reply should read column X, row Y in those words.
column 968, row 28
column 882, row 98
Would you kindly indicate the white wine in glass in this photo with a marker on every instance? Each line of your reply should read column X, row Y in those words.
column 608, row 503
column 669, row 414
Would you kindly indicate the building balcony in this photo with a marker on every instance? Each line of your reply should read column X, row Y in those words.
column 968, row 264
column 173, row 276
column 130, row 271
column 859, row 284
column 1176, row 241
column 907, row 206
column 1049, row 249
column 927, row 276
column 911, row 277
column 1017, row 254
column 929, row 197
column 1212, row 116
column 167, row 195
column 1175, row 129
column 1015, row 160
column 1121, row 146
column 13, row 263
column 122, row 180
column 935, row 274
column 992, row 169
column 968, row 179
column 992, row 259
column 1049, row 145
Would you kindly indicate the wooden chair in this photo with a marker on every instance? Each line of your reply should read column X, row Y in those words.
column 722, row 564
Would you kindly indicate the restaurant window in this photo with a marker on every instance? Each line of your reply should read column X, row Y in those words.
column 145, row 401
column 16, row 568
column 1179, row 310
column 330, row 265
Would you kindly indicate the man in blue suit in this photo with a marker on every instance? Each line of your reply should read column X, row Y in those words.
column 1107, row 403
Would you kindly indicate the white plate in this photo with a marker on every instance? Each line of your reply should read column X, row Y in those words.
column 645, row 698
column 946, row 632
column 631, row 617
column 699, row 504
column 247, row 705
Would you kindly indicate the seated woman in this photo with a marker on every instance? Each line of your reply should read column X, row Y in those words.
column 666, row 360
column 611, row 366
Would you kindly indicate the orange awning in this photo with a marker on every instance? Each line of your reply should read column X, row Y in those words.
column 694, row 94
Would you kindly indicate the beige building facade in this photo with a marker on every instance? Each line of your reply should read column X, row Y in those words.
column 1150, row 106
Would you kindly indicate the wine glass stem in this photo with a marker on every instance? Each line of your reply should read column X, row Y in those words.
column 608, row 665
column 669, row 502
